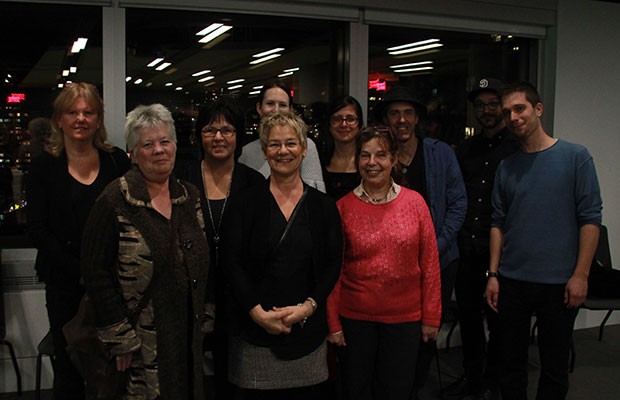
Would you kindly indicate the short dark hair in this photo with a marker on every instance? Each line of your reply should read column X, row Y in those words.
column 228, row 109
column 344, row 101
column 531, row 94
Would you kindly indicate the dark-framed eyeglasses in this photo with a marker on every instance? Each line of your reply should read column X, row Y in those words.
column 211, row 131
column 491, row 105
column 349, row 119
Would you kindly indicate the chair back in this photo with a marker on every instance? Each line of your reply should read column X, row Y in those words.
column 603, row 254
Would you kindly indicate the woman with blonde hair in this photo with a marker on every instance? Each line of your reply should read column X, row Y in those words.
column 63, row 184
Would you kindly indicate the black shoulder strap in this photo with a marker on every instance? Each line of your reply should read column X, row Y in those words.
column 292, row 218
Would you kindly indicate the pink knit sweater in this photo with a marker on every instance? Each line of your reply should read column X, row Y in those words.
column 390, row 272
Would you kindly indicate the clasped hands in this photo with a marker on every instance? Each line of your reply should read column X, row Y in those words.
column 279, row 320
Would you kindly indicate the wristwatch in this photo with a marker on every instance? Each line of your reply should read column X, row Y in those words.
column 491, row 274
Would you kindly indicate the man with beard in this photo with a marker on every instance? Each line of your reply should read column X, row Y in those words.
column 544, row 232
column 429, row 167
column 479, row 157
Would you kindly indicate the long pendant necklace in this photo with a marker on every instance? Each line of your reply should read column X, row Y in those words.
column 216, row 230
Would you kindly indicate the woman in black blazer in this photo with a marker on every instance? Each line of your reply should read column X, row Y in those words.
column 62, row 186
column 283, row 251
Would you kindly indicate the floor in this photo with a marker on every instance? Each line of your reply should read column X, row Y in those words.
column 596, row 375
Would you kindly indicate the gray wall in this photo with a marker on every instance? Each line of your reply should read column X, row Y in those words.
column 587, row 85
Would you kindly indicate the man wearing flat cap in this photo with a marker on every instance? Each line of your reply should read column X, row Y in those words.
column 479, row 157
column 429, row 167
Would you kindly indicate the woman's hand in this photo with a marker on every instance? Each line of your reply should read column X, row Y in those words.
column 337, row 339
column 429, row 333
column 272, row 320
column 123, row 361
column 298, row 313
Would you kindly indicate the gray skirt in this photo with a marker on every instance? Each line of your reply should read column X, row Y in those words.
column 255, row 367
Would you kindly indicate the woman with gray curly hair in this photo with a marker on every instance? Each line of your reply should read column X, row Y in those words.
column 145, row 256
column 283, row 249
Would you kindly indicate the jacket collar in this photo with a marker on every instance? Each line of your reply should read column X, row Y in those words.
column 134, row 191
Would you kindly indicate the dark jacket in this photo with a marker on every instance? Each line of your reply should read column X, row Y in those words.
column 52, row 223
column 246, row 253
column 128, row 246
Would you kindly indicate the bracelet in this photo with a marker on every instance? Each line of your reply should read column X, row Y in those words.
column 312, row 303
column 303, row 321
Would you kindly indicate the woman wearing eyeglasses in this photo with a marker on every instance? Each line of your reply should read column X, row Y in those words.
column 219, row 126
column 388, row 296
column 339, row 169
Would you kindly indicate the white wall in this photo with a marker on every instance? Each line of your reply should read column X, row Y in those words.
column 587, row 87
column 587, row 90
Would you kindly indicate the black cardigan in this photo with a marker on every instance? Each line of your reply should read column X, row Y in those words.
column 52, row 225
column 246, row 255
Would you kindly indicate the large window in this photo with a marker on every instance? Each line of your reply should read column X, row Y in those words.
column 443, row 68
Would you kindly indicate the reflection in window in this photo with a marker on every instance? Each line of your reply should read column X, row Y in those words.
column 36, row 41
column 441, row 67
column 182, row 59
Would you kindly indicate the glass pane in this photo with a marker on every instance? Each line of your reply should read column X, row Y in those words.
column 446, row 66
column 303, row 57
column 36, row 41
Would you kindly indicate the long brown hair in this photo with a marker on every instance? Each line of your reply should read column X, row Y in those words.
column 65, row 99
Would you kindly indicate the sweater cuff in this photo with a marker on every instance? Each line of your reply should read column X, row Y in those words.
column 120, row 338
column 434, row 322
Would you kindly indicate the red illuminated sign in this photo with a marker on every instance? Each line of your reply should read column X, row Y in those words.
column 377, row 84
column 16, row 97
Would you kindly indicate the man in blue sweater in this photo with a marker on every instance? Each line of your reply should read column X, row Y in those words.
column 544, row 232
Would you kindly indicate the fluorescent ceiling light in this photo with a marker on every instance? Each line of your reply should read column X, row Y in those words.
column 255, row 92
column 210, row 83
column 414, row 44
column 155, row 62
column 78, row 45
column 138, row 81
column 163, row 66
column 169, row 84
column 60, row 85
column 65, row 72
column 269, row 57
column 209, row 29
column 215, row 33
column 285, row 74
column 73, row 70
column 292, row 69
column 414, row 64
column 258, row 87
column 414, row 69
column 416, row 49
column 265, row 53
column 206, row 78
column 235, row 87
column 128, row 79
column 178, row 88
column 235, row 81
column 204, row 71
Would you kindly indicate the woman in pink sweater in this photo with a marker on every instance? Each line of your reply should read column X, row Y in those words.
column 388, row 294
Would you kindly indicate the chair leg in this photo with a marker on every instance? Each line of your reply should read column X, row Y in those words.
column 18, row 375
column 573, row 355
column 600, row 329
column 438, row 368
column 449, row 336
column 533, row 333
column 37, row 390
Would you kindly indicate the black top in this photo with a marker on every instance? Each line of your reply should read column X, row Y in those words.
column 56, row 212
column 415, row 172
column 479, row 157
column 337, row 184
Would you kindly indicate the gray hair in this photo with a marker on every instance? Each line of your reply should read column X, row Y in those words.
column 147, row 117
column 283, row 118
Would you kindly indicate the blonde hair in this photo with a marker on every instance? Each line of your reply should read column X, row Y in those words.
column 63, row 102
column 283, row 118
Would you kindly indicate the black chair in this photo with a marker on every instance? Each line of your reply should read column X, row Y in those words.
column 3, row 341
column 45, row 348
column 603, row 281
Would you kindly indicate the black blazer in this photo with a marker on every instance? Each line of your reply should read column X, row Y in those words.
column 52, row 223
column 246, row 255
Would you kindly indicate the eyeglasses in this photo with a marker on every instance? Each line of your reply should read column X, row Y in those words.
column 349, row 119
column 211, row 131
column 492, row 105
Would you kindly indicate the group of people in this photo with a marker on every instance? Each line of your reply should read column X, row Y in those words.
column 273, row 258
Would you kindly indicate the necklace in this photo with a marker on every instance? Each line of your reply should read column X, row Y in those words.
column 216, row 231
